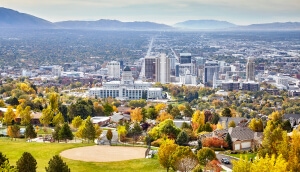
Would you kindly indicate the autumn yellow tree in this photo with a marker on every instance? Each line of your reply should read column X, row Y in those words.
column 159, row 107
column 268, row 164
column 198, row 119
column 256, row 125
column 181, row 107
column 58, row 119
column 163, row 116
column 136, row 115
column 294, row 154
column 165, row 152
column 241, row 165
column 183, row 159
column 9, row 115
column 26, row 116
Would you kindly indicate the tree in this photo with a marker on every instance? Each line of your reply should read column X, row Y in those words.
column 214, row 142
column 122, row 131
column 25, row 116
column 13, row 131
column 275, row 141
column 175, row 112
column 183, row 159
column 159, row 107
column 151, row 113
column 26, row 163
column 108, row 109
column 2, row 159
column 205, row 154
column 231, row 124
column 228, row 141
column 163, row 116
column 242, row 165
column 188, row 111
column 268, row 163
column 136, row 115
column 198, row 119
column 182, row 138
column 138, row 103
column 89, row 130
column 109, row 135
column 76, row 122
column 165, row 152
column 58, row 119
column 57, row 164
column 256, row 125
column 294, row 153
column 6, row 167
column 98, row 131
column 47, row 116
column 30, row 132
column 55, row 134
column 226, row 112
column 9, row 116
column 65, row 133
column 199, row 146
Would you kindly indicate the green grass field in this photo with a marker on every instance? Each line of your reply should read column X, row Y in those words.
column 43, row 152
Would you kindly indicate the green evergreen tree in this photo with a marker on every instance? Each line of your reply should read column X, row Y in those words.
column 182, row 138
column 2, row 159
column 26, row 163
column 30, row 132
column 229, row 141
column 65, row 132
column 56, row 164
column 199, row 146
column 55, row 134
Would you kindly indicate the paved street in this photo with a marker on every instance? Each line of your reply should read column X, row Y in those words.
column 220, row 156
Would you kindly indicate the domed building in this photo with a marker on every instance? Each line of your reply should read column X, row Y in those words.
column 126, row 89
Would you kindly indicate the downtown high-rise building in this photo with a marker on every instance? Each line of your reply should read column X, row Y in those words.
column 113, row 69
column 185, row 58
column 162, row 69
column 150, row 68
column 211, row 70
column 250, row 70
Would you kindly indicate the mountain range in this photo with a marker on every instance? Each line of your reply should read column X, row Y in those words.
column 13, row 19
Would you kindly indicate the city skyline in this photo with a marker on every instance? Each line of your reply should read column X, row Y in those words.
column 239, row 12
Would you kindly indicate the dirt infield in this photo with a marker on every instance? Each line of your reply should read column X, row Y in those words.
column 104, row 153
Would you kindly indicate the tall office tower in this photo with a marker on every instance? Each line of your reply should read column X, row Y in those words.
column 185, row 58
column 162, row 69
column 250, row 70
column 150, row 68
column 113, row 68
column 211, row 68
column 56, row 70
column 172, row 65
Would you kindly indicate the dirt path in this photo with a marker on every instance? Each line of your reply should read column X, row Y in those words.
column 104, row 153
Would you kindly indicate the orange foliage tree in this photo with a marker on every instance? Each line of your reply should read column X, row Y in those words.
column 214, row 142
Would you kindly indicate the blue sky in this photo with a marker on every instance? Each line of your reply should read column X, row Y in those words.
column 240, row 12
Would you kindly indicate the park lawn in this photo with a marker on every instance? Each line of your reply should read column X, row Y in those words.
column 43, row 152
column 248, row 155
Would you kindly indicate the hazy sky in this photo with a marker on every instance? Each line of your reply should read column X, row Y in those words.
column 163, row 11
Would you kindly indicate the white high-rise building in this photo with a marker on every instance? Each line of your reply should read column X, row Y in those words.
column 250, row 70
column 57, row 70
column 162, row 69
column 113, row 68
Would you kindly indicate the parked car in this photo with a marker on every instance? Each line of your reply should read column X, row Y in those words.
column 225, row 161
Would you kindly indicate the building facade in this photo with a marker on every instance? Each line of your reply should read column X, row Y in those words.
column 113, row 69
column 162, row 69
column 126, row 89
column 150, row 68
column 250, row 70
column 211, row 68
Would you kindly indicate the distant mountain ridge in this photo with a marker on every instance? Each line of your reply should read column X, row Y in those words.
column 204, row 24
column 272, row 26
column 104, row 24
column 13, row 19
